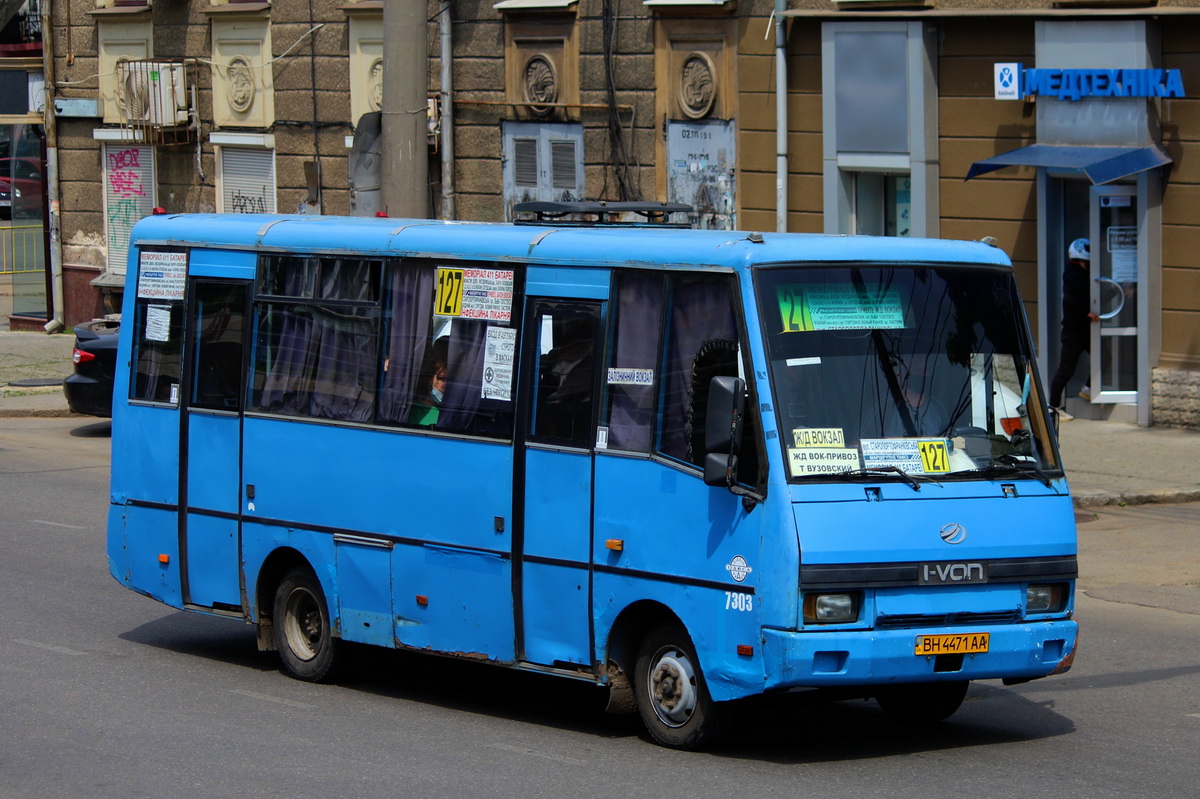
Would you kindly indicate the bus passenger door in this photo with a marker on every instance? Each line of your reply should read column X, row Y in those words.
column 552, row 543
column 210, row 462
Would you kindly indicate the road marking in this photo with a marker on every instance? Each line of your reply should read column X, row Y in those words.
column 545, row 755
column 62, row 650
column 57, row 524
column 277, row 700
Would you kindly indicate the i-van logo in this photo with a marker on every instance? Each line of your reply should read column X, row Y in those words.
column 953, row 533
column 952, row 573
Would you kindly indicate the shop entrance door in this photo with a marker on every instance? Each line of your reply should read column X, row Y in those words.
column 1116, row 282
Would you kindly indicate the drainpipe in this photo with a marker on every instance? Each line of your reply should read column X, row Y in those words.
column 781, row 121
column 53, row 221
column 447, row 112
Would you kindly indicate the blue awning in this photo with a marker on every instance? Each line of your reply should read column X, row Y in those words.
column 1100, row 164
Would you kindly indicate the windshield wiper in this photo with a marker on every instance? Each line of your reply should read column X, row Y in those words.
column 1028, row 467
column 1007, row 464
column 879, row 471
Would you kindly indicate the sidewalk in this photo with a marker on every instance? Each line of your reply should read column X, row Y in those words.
column 1108, row 463
column 34, row 358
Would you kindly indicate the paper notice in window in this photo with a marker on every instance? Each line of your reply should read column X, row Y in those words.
column 807, row 461
column 500, row 354
column 161, row 275
column 803, row 308
column 158, row 323
column 487, row 294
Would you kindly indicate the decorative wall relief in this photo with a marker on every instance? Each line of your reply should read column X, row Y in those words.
column 697, row 85
column 375, row 79
column 241, row 84
column 541, row 84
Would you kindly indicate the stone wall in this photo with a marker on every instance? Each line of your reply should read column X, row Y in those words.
column 1176, row 394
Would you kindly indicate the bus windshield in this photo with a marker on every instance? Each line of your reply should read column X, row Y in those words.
column 903, row 371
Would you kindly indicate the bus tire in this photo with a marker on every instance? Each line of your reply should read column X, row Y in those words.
column 303, row 633
column 672, row 696
column 922, row 704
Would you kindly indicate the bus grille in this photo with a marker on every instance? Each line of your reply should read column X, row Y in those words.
column 947, row 620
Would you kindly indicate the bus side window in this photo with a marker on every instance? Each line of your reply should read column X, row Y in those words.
column 158, row 350
column 702, row 342
column 633, row 375
column 318, row 355
column 700, row 315
column 217, row 379
column 441, row 369
column 566, row 376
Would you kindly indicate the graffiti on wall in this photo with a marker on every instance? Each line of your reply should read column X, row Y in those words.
column 129, row 195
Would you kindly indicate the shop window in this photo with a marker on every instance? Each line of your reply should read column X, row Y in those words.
column 882, row 204
column 880, row 128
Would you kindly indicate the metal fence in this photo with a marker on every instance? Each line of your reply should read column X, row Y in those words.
column 21, row 249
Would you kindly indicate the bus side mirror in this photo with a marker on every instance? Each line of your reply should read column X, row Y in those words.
column 723, row 430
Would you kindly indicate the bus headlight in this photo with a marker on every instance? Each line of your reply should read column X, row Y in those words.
column 831, row 608
column 1045, row 597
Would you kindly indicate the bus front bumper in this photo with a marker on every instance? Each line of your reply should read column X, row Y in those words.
column 881, row 657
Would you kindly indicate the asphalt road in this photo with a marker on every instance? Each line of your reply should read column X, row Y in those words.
column 108, row 694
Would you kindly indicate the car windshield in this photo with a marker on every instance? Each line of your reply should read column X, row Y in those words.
column 904, row 373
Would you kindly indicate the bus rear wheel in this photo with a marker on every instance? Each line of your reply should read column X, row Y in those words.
column 303, row 633
column 672, row 697
column 922, row 704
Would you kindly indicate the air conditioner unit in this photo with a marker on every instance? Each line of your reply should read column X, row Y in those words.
column 156, row 93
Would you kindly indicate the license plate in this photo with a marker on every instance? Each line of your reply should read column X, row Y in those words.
column 954, row 644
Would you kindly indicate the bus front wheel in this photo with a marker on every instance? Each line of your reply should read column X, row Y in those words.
column 921, row 704
column 303, row 633
column 672, row 697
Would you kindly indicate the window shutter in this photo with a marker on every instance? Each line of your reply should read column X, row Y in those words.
column 247, row 181
column 525, row 163
column 563, row 173
column 129, row 194
column 542, row 161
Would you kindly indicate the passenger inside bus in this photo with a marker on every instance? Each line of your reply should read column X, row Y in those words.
column 426, row 406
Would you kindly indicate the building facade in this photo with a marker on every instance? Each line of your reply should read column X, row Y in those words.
column 1033, row 123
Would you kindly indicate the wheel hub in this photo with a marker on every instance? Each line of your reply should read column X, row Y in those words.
column 673, row 688
column 303, row 624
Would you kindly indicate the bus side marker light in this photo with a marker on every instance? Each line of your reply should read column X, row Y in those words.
column 164, row 558
column 615, row 544
column 422, row 600
column 745, row 649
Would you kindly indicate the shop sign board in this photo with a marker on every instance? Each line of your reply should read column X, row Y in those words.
column 1012, row 81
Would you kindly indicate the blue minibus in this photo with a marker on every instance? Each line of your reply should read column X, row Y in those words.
column 689, row 466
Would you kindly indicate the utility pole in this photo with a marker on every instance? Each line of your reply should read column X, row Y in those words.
column 404, row 187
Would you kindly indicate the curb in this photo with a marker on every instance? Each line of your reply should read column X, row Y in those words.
column 42, row 413
column 1121, row 499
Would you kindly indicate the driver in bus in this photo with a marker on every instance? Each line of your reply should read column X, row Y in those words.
column 928, row 415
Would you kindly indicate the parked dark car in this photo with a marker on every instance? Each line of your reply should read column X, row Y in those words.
column 90, row 389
